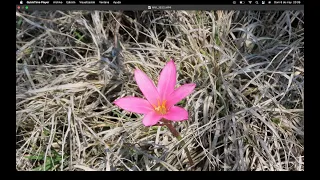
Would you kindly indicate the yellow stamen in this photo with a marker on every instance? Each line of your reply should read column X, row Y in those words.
column 161, row 107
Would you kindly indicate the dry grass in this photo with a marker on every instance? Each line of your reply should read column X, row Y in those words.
column 246, row 112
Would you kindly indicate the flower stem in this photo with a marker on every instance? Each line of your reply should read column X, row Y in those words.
column 178, row 136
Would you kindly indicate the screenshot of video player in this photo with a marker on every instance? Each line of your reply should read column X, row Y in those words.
column 159, row 86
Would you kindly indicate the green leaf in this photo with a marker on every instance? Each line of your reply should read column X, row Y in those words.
column 276, row 120
column 19, row 22
column 41, row 157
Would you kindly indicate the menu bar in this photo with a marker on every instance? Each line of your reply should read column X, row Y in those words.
column 162, row 2
column 161, row 7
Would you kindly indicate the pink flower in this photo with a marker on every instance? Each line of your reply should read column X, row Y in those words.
column 160, row 100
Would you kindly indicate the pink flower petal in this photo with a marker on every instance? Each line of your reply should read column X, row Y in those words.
column 180, row 93
column 176, row 114
column 151, row 118
column 167, row 80
column 134, row 104
column 147, row 87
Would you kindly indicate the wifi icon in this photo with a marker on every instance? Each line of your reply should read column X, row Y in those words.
column 250, row 2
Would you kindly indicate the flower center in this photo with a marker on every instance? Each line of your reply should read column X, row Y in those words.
column 161, row 107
